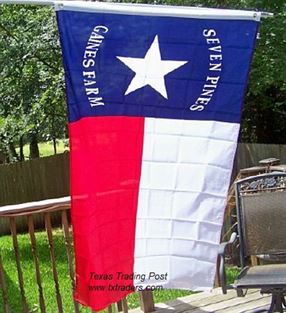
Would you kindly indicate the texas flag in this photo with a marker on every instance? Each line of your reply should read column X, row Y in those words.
column 155, row 97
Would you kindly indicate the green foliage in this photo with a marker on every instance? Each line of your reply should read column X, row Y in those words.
column 265, row 108
column 264, row 111
column 231, row 274
column 32, row 87
column 32, row 100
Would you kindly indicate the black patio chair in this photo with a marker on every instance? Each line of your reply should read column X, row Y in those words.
column 261, row 215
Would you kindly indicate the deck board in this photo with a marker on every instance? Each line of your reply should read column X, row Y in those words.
column 215, row 302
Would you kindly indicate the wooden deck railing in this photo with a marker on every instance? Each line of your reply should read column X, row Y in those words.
column 60, row 207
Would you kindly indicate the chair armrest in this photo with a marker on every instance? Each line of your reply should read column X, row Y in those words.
column 221, row 261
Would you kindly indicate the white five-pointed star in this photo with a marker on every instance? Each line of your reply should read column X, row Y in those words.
column 150, row 70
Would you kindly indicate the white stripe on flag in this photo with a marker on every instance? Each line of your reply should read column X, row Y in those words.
column 184, row 183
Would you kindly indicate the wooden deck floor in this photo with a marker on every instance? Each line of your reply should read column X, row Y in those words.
column 215, row 301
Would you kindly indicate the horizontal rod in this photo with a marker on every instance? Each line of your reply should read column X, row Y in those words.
column 263, row 14
column 52, row 2
column 41, row 2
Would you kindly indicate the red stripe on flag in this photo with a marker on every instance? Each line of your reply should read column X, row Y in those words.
column 106, row 156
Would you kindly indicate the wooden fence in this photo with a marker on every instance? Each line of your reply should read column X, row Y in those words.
column 43, row 178
column 249, row 154
column 9, row 295
column 48, row 178
column 39, row 179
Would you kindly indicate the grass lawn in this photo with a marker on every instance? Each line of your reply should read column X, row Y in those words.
column 46, row 148
column 31, row 287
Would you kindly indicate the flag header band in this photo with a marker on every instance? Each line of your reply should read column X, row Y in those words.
column 157, row 10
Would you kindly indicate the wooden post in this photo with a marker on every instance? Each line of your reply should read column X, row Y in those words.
column 4, row 288
column 65, row 226
column 147, row 301
column 124, row 305
column 18, row 264
column 254, row 260
column 48, row 225
column 36, row 262
column 216, row 281
column 119, row 306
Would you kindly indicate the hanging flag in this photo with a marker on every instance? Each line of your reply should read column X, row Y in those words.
column 155, row 97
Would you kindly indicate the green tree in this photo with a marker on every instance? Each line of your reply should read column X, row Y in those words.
column 32, row 101
column 264, row 111
column 31, row 89
column 265, row 107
